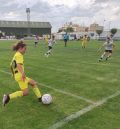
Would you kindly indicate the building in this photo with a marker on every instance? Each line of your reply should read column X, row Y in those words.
column 21, row 28
column 94, row 27
column 76, row 27
column 90, row 31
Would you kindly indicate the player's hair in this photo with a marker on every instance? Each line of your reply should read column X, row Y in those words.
column 18, row 45
column 53, row 37
column 108, row 40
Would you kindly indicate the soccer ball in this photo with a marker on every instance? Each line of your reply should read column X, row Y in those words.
column 46, row 99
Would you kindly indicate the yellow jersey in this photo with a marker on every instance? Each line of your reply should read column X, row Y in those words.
column 17, row 59
column 84, row 39
column 46, row 39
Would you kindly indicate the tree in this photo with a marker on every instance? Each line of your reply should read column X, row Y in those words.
column 69, row 29
column 99, row 32
column 113, row 31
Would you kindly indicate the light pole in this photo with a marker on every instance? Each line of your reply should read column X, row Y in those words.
column 104, row 24
column 109, row 25
column 28, row 21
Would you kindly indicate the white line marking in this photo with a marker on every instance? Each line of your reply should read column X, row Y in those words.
column 5, row 72
column 60, row 91
column 67, row 93
column 82, row 112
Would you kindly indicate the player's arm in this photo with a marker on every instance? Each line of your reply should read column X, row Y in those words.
column 19, row 66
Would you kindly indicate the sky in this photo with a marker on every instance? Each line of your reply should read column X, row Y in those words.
column 58, row 12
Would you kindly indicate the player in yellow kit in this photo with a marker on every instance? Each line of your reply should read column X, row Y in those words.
column 46, row 40
column 84, row 41
column 17, row 68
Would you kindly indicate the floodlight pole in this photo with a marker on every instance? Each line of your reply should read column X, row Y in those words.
column 28, row 21
column 104, row 24
column 109, row 25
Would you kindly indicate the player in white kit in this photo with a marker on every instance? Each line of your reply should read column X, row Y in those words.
column 51, row 42
column 109, row 46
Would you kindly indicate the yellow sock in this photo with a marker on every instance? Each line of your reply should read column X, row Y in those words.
column 37, row 92
column 16, row 94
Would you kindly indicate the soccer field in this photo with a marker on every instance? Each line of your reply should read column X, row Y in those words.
column 86, row 93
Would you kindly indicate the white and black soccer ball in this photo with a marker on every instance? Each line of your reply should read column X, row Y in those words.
column 46, row 99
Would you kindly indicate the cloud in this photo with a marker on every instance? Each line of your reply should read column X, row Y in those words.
column 70, row 3
column 58, row 12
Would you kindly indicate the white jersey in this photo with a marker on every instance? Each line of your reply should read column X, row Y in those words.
column 108, row 46
column 36, row 39
column 51, row 42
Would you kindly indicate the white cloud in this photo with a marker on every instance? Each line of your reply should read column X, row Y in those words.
column 22, row 3
column 59, row 12
column 71, row 3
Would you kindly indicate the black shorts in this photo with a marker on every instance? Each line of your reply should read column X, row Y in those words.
column 65, row 40
column 110, row 51
column 49, row 47
column 36, row 42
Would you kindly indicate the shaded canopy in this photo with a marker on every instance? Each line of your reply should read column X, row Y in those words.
column 24, row 24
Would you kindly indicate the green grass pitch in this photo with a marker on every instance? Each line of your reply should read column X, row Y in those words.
column 70, row 70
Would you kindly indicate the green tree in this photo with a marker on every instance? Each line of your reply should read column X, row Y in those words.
column 113, row 31
column 99, row 32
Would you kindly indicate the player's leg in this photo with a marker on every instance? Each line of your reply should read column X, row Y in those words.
column 65, row 42
column 35, row 89
column 23, row 92
column 102, row 56
column 82, row 44
column 46, row 54
column 49, row 51
column 35, row 44
column 8, row 97
column 109, row 55
column 85, row 44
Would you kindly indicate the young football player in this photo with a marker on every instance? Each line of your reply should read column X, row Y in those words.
column 84, row 41
column 36, row 40
column 46, row 40
column 17, row 69
column 65, row 37
column 109, row 46
column 51, row 42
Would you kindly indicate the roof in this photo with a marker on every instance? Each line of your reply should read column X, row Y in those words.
column 24, row 24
